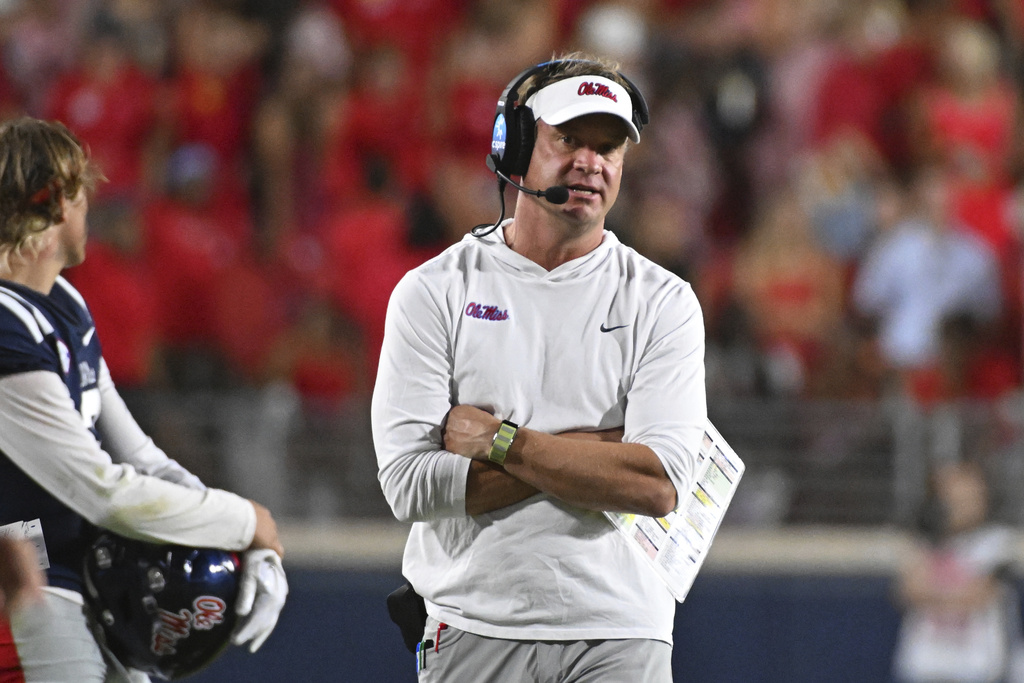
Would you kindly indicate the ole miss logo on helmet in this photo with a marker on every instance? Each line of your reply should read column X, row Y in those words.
column 598, row 89
column 207, row 612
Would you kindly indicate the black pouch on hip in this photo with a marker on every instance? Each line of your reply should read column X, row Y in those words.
column 406, row 608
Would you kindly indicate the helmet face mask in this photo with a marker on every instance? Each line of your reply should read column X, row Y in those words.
column 164, row 609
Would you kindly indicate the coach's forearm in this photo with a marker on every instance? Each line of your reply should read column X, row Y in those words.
column 489, row 488
column 600, row 475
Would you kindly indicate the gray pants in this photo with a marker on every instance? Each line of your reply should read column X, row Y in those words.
column 56, row 645
column 460, row 657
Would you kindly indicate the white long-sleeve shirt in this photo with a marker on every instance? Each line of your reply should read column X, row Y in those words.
column 129, row 485
column 606, row 340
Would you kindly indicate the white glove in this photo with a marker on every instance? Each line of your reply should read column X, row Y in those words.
column 261, row 596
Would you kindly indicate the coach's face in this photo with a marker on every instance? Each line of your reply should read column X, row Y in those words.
column 586, row 155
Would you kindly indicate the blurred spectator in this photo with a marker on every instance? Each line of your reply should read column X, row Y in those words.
column 368, row 249
column 468, row 81
column 416, row 27
column 10, row 100
column 961, row 613
column 619, row 31
column 213, row 90
column 666, row 230
column 249, row 309
column 109, row 103
column 925, row 269
column 384, row 125
column 686, row 169
column 297, row 173
column 968, row 122
column 792, row 290
column 797, row 47
column 144, row 24
column 321, row 355
column 864, row 91
column 852, row 367
column 712, row 45
column 41, row 40
column 970, row 365
column 843, row 186
column 469, row 78
column 191, row 236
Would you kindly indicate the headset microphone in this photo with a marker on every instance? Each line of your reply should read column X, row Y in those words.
column 556, row 194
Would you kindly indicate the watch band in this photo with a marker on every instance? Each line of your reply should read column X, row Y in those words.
column 502, row 442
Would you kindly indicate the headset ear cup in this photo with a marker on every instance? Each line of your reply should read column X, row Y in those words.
column 505, row 140
column 499, row 142
column 527, row 133
column 512, row 141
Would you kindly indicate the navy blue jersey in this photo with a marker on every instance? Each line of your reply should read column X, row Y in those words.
column 52, row 333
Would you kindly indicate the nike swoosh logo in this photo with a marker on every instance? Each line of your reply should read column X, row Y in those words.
column 616, row 327
column 87, row 337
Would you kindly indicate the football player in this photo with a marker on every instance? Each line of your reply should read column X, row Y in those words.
column 71, row 454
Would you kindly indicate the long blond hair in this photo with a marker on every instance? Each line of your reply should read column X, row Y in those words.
column 41, row 162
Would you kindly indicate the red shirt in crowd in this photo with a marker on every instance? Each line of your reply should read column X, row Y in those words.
column 367, row 254
column 114, row 118
column 215, row 109
column 187, row 246
column 123, row 301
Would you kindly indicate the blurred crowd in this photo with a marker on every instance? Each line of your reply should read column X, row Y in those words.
column 840, row 181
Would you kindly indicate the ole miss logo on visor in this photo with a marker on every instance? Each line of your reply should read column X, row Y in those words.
column 598, row 89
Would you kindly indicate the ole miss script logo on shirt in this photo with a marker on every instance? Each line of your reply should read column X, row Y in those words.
column 485, row 312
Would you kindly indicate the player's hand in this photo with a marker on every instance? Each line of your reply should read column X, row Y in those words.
column 261, row 596
column 266, row 531
column 469, row 432
column 21, row 581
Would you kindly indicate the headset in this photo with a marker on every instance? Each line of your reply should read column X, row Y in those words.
column 514, row 130
column 514, row 134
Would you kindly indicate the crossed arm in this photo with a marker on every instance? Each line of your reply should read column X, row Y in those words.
column 422, row 461
column 592, row 470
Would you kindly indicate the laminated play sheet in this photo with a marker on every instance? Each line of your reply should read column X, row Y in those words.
column 677, row 544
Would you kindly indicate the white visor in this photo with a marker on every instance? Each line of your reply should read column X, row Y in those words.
column 581, row 95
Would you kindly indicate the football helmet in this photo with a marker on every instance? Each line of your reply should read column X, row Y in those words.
column 166, row 610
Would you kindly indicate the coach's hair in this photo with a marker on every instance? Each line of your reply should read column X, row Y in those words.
column 41, row 162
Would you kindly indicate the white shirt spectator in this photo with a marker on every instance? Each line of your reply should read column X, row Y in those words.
column 918, row 276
